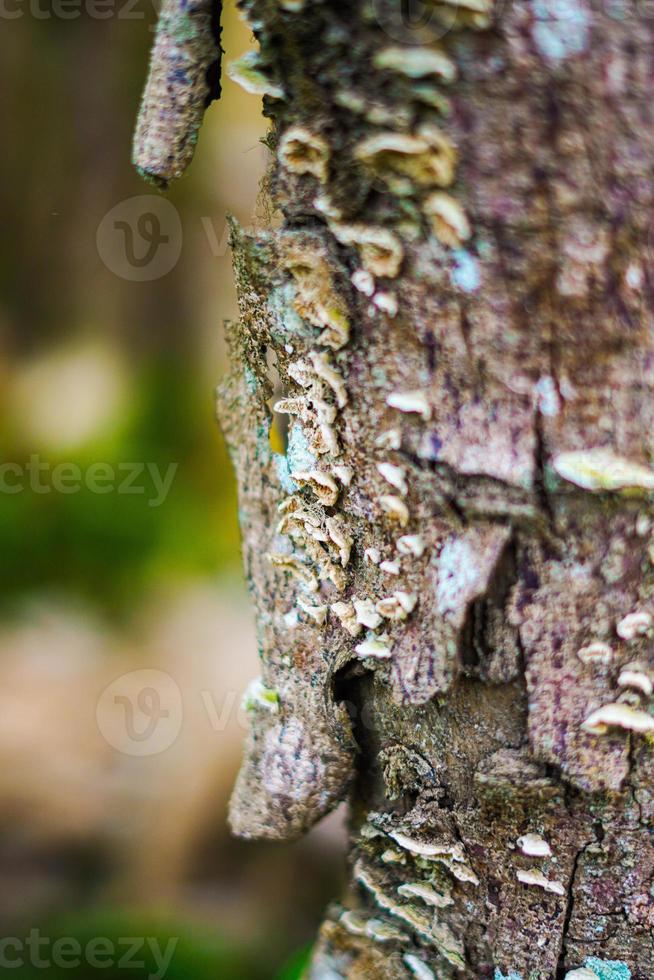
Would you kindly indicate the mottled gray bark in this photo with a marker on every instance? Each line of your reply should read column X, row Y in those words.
column 452, row 560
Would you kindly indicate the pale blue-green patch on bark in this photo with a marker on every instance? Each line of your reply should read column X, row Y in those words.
column 299, row 456
column 465, row 273
column 511, row 975
column 562, row 28
column 288, row 485
column 608, row 969
column 287, row 320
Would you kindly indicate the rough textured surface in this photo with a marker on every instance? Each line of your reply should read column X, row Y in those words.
column 453, row 587
column 184, row 77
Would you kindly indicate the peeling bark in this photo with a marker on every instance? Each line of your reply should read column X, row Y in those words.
column 451, row 563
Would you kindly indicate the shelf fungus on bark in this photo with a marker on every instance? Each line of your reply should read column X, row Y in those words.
column 418, row 967
column 317, row 298
column 619, row 716
column 533, row 845
column 408, row 163
column 302, row 151
column 410, row 402
column 417, row 62
column 600, row 469
column 183, row 79
column 249, row 72
column 381, row 250
column 537, row 878
column 448, row 219
column 634, row 625
column 299, row 754
column 596, row 653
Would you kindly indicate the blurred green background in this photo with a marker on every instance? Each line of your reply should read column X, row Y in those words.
column 100, row 369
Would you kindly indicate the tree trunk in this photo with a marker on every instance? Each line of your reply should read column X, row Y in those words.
column 451, row 560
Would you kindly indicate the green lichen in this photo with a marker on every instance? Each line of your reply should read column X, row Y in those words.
column 608, row 969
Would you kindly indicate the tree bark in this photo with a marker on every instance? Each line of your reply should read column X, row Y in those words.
column 451, row 561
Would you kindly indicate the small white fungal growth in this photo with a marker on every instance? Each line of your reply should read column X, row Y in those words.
column 638, row 678
column 643, row 525
column 325, row 370
column 353, row 923
column 317, row 613
column 328, row 444
column 291, row 406
column 390, row 439
column 397, row 607
column 386, row 302
column 384, row 932
column 417, row 921
column 381, row 251
column 618, row 716
column 257, row 695
column 634, row 625
column 323, row 485
column 390, row 567
column 390, row 142
column 294, row 6
column 538, row 879
column 634, row 276
column 448, row 219
column 372, row 555
column 421, row 848
column 629, row 696
column 534, row 846
column 301, row 373
column 291, row 619
column 427, row 159
column 395, row 507
column 363, row 281
column 326, row 413
column 247, row 72
column 426, row 894
column 459, row 871
column 596, row 653
column 304, row 152
column 376, row 647
column 344, row 474
column 324, row 204
column 393, row 856
column 292, row 564
column 411, row 544
column 583, row 973
column 600, row 469
column 346, row 614
column 410, row 401
column 418, row 62
column 366, row 613
column 418, row 967
column 341, row 539
column 395, row 475
column 452, row 856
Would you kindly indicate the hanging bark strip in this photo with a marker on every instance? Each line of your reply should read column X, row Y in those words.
column 184, row 78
